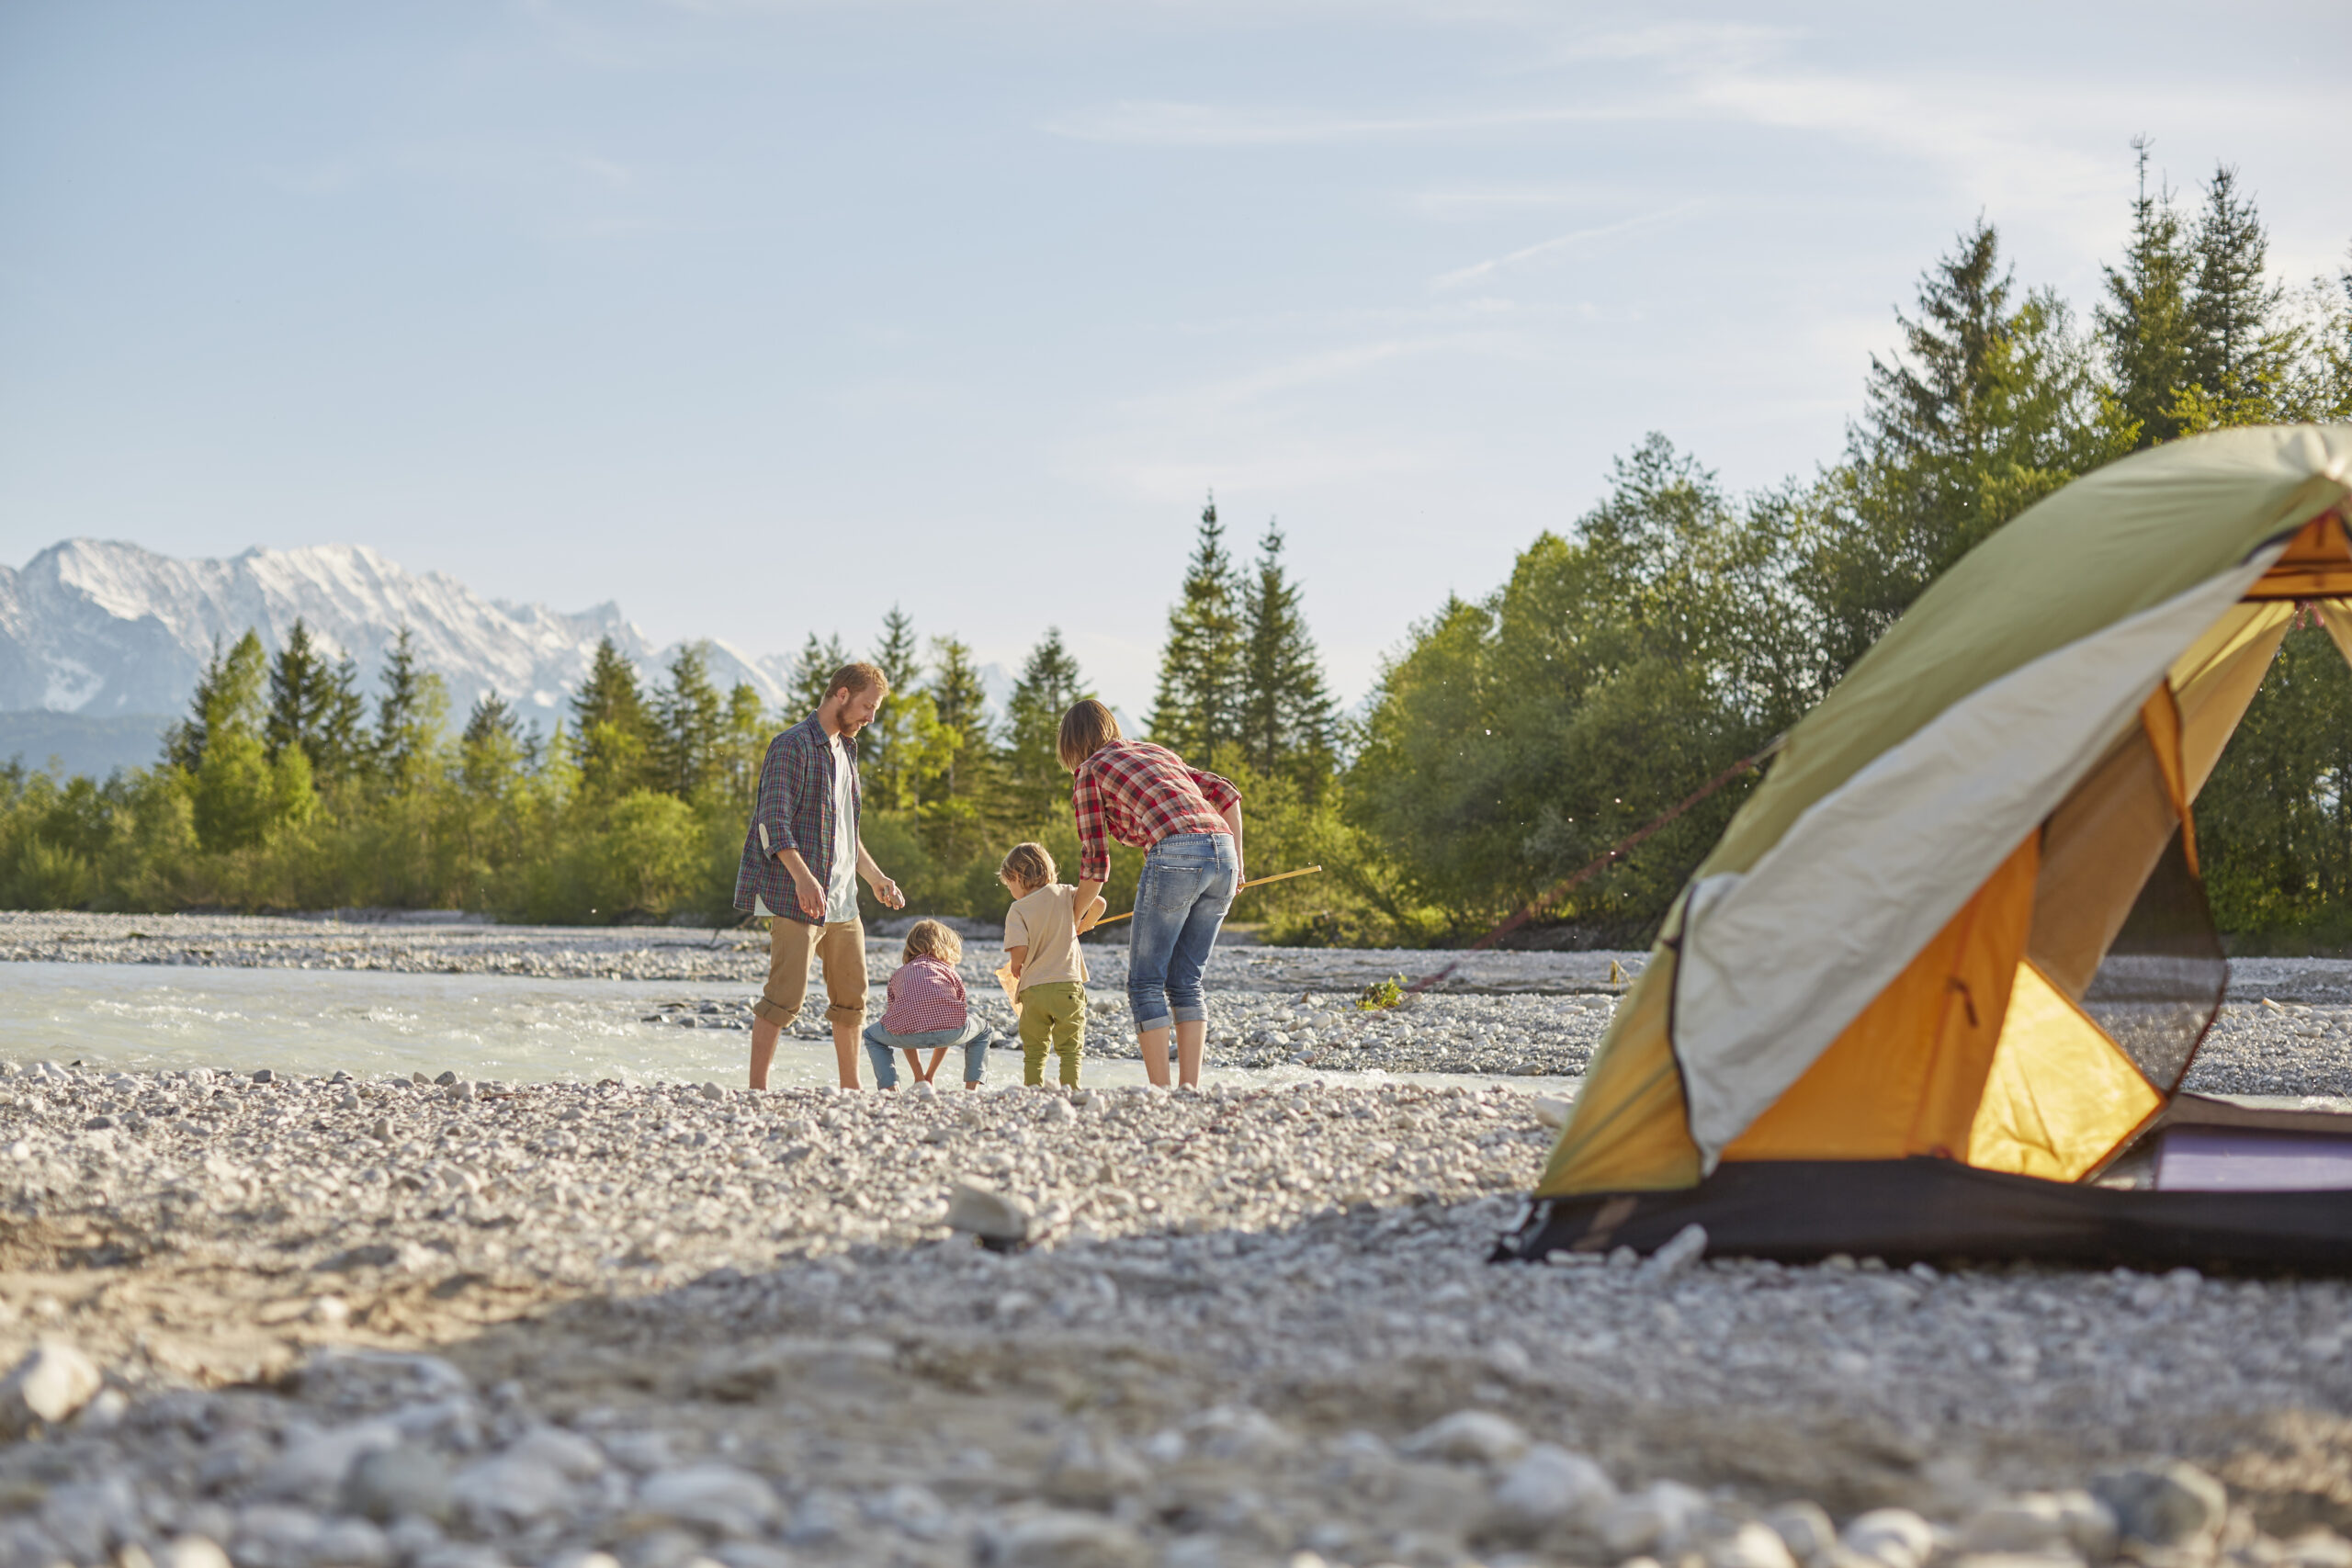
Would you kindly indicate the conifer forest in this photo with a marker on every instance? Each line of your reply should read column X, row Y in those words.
column 1630, row 655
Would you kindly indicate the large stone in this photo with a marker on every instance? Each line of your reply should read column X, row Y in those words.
column 1091, row 1473
column 715, row 1497
column 311, row 1466
column 1687, row 1245
column 1893, row 1538
column 1749, row 1546
column 1551, row 1487
column 48, row 1385
column 386, row 1483
column 1468, row 1437
column 1662, row 1519
column 2168, row 1505
column 987, row 1214
column 2041, row 1523
column 1056, row 1540
column 1805, row 1530
column 509, row 1491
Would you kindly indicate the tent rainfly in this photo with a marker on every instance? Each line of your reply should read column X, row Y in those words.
column 1934, row 992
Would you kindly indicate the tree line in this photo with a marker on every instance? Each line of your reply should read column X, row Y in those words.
column 1507, row 739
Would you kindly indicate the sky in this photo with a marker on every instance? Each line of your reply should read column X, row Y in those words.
column 761, row 316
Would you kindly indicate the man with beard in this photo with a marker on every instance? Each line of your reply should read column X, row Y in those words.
column 801, row 860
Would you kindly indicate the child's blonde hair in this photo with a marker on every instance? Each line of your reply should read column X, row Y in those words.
column 1027, row 865
column 929, row 939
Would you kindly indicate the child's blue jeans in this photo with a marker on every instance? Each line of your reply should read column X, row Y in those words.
column 882, row 1048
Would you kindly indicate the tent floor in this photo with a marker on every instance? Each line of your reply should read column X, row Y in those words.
column 1939, row 1211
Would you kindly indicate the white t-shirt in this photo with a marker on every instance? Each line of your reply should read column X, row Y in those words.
column 841, row 894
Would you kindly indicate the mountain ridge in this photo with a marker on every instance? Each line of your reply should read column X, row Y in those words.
column 107, row 628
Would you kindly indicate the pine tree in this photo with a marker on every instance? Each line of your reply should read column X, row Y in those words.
column 1286, row 713
column 409, row 714
column 1197, row 707
column 2237, row 356
column 688, row 725
column 302, row 689
column 810, row 672
column 890, row 752
column 746, row 739
column 962, row 705
column 228, row 700
column 1035, row 783
column 966, row 778
column 2145, row 330
column 338, row 747
column 491, row 750
column 613, row 739
column 1993, row 405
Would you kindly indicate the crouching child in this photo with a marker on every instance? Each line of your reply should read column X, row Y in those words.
column 925, row 1009
column 1041, row 949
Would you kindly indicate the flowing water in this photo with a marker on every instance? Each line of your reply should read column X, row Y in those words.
column 145, row 1017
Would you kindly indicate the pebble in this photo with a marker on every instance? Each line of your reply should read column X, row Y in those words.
column 388, row 1483
column 48, row 1385
column 1477, row 1437
column 2164, row 1506
column 1893, row 1538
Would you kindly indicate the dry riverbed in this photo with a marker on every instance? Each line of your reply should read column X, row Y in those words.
column 457, row 1326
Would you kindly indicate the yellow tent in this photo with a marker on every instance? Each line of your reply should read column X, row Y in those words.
column 1956, row 938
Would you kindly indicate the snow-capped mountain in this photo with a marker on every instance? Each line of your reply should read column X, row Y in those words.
column 101, row 629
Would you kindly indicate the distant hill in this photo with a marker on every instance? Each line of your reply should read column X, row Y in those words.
column 103, row 630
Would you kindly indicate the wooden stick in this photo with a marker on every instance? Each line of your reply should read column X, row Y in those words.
column 1254, row 881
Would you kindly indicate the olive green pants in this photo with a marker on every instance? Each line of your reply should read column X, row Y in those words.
column 1054, row 1011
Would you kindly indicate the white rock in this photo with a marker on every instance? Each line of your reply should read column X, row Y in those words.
column 2072, row 1523
column 194, row 1551
column 985, row 1213
column 312, row 1465
column 52, row 1381
column 1056, row 1540
column 1689, row 1243
column 1894, row 1538
column 572, row 1455
column 352, row 1543
column 1749, row 1546
column 716, row 1497
column 1805, row 1530
column 509, row 1490
column 1660, row 1518
column 1553, row 1112
column 1549, row 1486
column 1477, row 1437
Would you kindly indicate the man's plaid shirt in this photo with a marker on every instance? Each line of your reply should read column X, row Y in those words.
column 794, row 810
column 1140, row 794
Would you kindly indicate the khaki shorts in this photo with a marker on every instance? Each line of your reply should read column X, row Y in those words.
column 793, row 946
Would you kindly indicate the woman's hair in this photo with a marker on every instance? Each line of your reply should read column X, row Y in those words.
column 929, row 939
column 1086, row 729
column 1027, row 865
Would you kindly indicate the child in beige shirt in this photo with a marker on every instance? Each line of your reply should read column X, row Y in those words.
column 1048, row 971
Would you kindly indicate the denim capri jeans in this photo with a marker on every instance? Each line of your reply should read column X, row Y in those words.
column 1187, row 884
column 882, row 1048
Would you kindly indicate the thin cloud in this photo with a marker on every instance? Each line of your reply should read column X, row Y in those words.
column 1167, row 124
column 1478, row 271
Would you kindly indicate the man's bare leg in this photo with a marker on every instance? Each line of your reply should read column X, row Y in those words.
column 1154, row 1044
column 1191, row 1038
column 764, row 1036
column 845, row 1050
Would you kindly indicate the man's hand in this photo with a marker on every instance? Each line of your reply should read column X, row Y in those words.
column 807, row 894
column 887, row 891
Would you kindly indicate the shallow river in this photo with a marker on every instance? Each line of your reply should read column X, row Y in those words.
column 149, row 1017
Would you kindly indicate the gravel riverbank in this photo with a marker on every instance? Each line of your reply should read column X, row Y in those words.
column 2286, row 1029
column 453, row 1326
